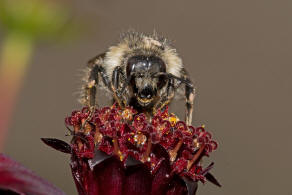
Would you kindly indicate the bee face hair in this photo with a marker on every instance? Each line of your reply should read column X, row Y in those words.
column 135, row 44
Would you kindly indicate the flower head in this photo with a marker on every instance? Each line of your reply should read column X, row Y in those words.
column 120, row 151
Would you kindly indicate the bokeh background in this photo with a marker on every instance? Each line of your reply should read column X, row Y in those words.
column 238, row 53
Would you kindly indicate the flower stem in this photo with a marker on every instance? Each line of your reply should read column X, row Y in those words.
column 15, row 55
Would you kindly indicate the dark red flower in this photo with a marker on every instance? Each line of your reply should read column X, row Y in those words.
column 117, row 151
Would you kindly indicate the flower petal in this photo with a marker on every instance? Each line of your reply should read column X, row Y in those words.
column 192, row 186
column 57, row 145
column 109, row 176
column 138, row 180
column 212, row 179
column 17, row 178
column 83, row 176
column 161, row 179
column 177, row 187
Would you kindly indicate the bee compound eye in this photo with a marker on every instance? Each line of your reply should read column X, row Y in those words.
column 135, row 63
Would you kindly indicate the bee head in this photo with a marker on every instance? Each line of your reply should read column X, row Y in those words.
column 145, row 83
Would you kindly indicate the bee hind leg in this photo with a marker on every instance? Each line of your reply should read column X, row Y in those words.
column 95, row 74
column 190, row 97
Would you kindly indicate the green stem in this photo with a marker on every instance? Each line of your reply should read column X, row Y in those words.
column 16, row 52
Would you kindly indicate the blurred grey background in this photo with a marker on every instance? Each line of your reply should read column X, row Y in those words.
column 237, row 52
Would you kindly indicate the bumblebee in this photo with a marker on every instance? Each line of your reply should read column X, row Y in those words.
column 142, row 71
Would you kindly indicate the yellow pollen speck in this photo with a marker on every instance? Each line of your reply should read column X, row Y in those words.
column 173, row 119
column 91, row 84
column 203, row 126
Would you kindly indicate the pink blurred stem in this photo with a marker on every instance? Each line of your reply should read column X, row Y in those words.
column 14, row 58
column 17, row 178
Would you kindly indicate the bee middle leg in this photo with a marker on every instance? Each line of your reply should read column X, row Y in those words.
column 98, row 73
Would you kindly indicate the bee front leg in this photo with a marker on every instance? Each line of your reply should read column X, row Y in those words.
column 118, row 89
column 166, row 98
column 189, row 93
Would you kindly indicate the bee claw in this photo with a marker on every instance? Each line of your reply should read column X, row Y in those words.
column 87, row 120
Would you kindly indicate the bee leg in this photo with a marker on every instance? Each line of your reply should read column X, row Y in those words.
column 115, row 86
column 166, row 98
column 190, row 97
column 90, row 93
column 90, row 87
column 189, row 93
column 164, row 101
column 96, row 71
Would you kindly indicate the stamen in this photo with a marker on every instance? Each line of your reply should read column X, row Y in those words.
column 97, row 136
column 196, row 157
column 148, row 151
column 117, row 150
column 173, row 152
